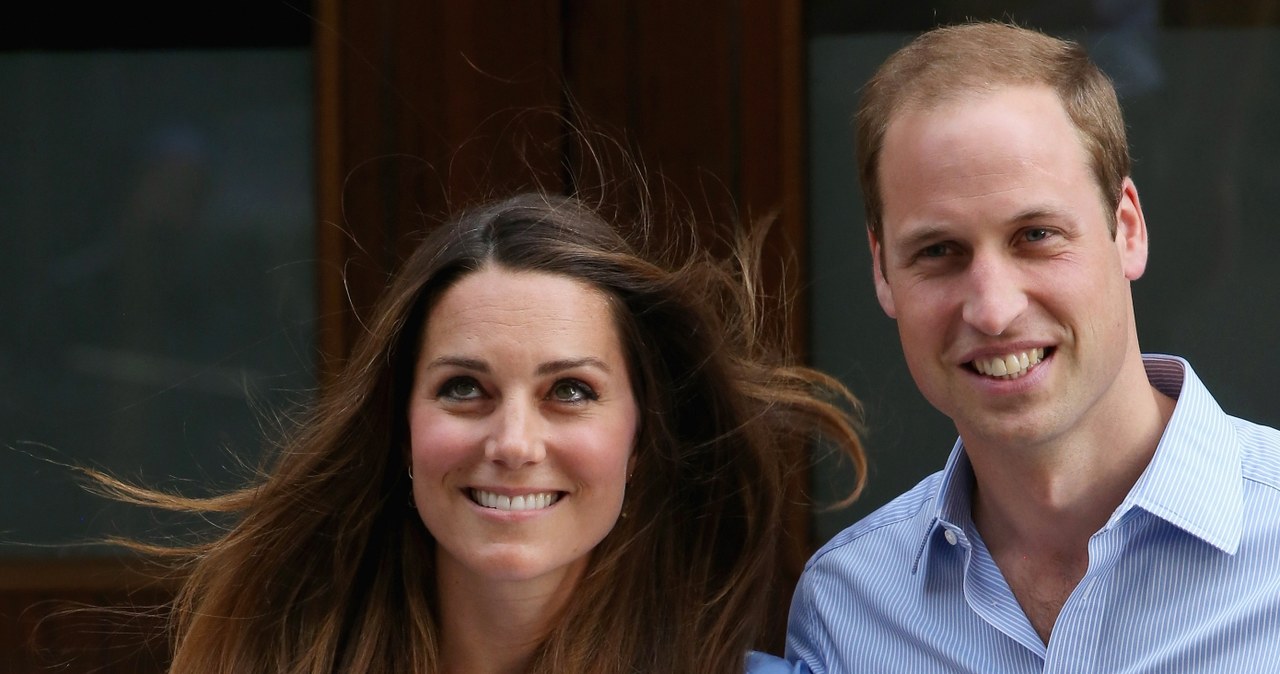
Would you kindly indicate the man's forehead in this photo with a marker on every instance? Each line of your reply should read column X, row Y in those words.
column 1013, row 123
column 1005, row 153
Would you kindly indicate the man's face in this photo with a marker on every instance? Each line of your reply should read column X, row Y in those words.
column 1011, row 297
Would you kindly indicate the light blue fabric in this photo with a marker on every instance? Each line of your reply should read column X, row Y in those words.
column 1184, row 577
column 763, row 663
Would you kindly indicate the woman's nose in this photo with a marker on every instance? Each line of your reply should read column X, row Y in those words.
column 515, row 439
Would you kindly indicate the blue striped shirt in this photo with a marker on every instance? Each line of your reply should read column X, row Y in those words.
column 1184, row 576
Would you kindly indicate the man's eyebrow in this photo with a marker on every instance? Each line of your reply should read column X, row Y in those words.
column 569, row 364
column 932, row 233
column 460, row 362
column 1037, row 213
column 918, row 238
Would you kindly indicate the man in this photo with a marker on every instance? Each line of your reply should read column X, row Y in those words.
column 1099, row 512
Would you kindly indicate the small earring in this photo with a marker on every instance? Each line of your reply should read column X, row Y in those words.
column 411, row 473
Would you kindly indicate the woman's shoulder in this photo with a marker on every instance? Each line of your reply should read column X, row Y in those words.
column 763, row 663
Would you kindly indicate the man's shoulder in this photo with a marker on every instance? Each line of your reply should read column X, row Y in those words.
column 854, row 585
column 900, row 525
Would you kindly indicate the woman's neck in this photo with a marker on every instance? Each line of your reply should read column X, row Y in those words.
column 494, row 626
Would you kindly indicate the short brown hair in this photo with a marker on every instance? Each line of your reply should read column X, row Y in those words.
column 952, row 61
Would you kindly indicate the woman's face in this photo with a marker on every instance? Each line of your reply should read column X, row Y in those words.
column 522, row 424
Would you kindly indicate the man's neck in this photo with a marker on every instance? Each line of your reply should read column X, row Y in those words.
column 1036, row 510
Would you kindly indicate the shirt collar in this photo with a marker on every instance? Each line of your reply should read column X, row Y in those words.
column 1192, row 482
column 952, row 500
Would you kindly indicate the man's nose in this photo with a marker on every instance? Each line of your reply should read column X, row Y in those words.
column 994, row 295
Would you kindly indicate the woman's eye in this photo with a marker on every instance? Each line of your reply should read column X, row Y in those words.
column 1037, row 234
column 461, row 388
column 572, row 391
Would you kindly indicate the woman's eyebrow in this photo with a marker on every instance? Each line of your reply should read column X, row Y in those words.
column 460, row 362
column 569, row 364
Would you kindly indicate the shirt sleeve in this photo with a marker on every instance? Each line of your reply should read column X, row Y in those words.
column 806, row 637
column 763, row 663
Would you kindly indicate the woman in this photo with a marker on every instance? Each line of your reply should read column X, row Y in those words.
column 547, row 454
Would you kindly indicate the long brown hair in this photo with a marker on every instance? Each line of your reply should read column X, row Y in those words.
column 328, row 569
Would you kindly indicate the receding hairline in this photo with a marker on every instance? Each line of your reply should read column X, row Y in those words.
column 951, row 63
column 954, row 98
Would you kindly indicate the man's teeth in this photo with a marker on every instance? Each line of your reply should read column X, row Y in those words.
column 514, row 503
column 1010, row 366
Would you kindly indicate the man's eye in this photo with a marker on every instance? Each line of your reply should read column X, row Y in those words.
column 1037, row 234
column 572, row 391
column 461, row 388
column 936, row 250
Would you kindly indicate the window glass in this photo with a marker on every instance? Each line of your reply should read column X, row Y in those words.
column 158, row 276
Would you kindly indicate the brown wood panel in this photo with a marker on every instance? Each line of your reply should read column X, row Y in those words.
column 662, row 77
column 88, row 615
column 422, row 106
column 78, row 631
column 708, row 96
column 773, row 142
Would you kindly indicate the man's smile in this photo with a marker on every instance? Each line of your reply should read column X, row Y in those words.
column 1010, row 365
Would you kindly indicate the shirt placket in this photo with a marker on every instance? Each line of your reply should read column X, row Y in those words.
column 988, row 594
column 1077, row 639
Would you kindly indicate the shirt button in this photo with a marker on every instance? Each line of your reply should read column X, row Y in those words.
column 950, row 536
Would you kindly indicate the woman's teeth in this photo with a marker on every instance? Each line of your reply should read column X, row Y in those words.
column 514, row 503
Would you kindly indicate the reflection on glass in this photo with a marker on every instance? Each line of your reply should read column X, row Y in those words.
column 158, row 278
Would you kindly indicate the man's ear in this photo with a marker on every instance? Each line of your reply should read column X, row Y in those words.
column 1131, row 232
column 877, row 271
